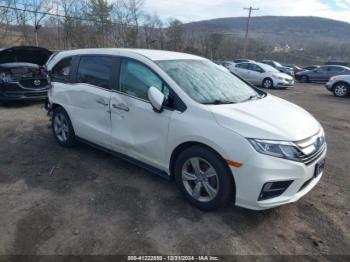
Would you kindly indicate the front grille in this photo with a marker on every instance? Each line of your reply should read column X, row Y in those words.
column 34, row 83
column 312, row 148
column 308, row 160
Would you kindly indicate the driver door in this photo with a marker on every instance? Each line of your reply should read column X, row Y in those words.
column 137, row 130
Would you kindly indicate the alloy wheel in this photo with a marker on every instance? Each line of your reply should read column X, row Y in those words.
column 200, row 179
column 60, row 125
column 340, row 90
column 267, row 83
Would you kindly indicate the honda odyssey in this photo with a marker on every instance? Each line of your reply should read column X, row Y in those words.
column 182, row 116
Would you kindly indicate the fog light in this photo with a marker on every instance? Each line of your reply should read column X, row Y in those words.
column 273, row 189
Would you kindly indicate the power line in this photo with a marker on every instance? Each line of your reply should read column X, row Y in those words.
column 246, row 40
column 58, row 15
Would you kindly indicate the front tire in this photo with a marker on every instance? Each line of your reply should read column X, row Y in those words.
column 267, row 83
column 204, row 178
column 341, row 90
column 62, row 128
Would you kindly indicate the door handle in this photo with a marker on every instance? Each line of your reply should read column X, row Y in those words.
column 121, row 107
column 101, row 102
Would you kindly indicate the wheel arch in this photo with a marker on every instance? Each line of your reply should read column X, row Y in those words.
column 57, row 105
column 340, row 82
column 183, row 146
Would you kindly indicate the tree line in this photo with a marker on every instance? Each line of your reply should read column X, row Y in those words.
column 70, row 24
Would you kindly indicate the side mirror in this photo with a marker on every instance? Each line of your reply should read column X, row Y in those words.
column 156, row 98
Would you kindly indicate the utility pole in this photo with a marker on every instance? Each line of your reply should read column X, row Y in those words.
column 246, row 40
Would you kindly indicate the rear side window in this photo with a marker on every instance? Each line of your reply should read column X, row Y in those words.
column 61, row 72
column 95, row 70
column 243, row 65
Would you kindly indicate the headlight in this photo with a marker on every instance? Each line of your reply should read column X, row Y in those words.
column 280, row 149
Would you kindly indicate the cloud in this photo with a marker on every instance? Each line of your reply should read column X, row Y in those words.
column 194, row 10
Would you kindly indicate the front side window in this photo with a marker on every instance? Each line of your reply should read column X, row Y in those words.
column 136, row 79
column 243, row 65
column 61, row 72
column 323, row 69
column 255, row 68
column 205, row 83
column 336, row 69
column 95, row 70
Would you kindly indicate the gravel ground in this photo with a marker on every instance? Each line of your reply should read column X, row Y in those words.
column 84, row 201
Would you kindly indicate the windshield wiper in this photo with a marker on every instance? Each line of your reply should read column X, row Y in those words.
column 219, row 102
column 252, row 98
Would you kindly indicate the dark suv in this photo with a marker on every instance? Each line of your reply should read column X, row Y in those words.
column 21, row 74
column 322, row 74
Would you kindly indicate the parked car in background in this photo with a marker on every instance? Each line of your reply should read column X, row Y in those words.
column 339, row 85
column 21, row 74
column 260, row 74
column 228, row 65
column 178, row 115
column 322, row 74
column 296, row 69
column 312, row 67
column 237, row 61
column 279, row 67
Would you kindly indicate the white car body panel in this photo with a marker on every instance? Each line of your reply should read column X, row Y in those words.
column 336, row 79
column 152, row 137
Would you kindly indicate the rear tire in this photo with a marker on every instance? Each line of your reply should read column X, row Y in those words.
column 62, row 128
column 341, row 90
column 204, row 178
column 267, row 83
column 304, row 79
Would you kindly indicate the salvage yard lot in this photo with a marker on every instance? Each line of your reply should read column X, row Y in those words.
column 84, row 201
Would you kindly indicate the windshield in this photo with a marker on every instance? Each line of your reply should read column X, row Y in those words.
column 268, row 68
column 206, row 83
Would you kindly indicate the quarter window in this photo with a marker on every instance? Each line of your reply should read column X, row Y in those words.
column 61, row 72
column 136, row 79
column 95, row 70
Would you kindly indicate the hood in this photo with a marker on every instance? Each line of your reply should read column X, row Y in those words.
column 284, row 75
column 268, row 118
column 25, row 54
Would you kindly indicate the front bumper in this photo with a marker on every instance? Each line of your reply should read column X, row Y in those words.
column 283, row 83
column 22, row 95
column 261, row 169
column 329, row 85
column 10, row 92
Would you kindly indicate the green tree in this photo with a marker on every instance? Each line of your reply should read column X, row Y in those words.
column 99, row 12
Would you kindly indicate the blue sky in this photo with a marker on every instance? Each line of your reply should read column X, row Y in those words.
column 192, row 10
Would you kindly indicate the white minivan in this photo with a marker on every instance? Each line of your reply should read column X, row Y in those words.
column 179, row 115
